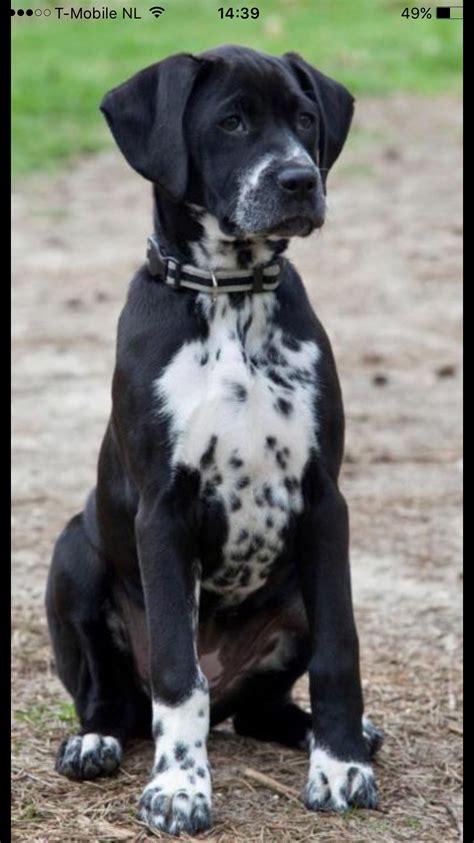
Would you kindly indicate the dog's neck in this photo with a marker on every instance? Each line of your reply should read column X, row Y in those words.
column 192, row 235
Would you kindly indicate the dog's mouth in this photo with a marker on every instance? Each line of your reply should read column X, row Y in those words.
column 297, row 226
column 294, row 226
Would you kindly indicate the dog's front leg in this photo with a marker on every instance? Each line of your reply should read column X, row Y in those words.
column 340, row 774
column 178, row 797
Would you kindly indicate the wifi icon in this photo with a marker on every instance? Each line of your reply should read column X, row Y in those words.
column 157, row 11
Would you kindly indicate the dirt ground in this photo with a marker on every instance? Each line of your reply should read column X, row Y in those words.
column 384, row 276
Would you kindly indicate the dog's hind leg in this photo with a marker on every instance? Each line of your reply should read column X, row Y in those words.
column 266, row 711
column 95, row 670
column 283, row 722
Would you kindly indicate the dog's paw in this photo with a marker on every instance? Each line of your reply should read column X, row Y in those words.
column 337, row 785
column 372, row 736
column 88, row 756
column 178, row 801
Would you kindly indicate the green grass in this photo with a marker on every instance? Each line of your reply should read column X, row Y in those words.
column 39, row 714
column 62, row 68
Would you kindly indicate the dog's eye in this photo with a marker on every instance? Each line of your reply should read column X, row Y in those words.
column 306, row 120
column 233, row 123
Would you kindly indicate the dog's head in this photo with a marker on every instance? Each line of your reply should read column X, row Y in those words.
column 247, row 136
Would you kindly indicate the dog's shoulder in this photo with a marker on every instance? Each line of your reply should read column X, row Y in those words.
column 154, row 323
column 298, row 318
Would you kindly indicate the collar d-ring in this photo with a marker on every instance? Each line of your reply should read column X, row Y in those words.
column 215, row 285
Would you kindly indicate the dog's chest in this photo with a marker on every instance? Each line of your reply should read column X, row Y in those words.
column 242, row 410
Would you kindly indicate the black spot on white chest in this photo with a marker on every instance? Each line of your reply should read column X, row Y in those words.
column 242, row 410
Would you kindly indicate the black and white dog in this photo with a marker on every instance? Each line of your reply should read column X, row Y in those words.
column 209, row 569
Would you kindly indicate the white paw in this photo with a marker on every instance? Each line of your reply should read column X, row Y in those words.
column 178, row 800
column 335, row 785
column 88, row 756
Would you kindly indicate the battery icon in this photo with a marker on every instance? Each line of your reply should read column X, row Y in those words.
column 449, row 12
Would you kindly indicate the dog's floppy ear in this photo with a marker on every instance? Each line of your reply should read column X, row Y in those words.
column 145, row 115
column 335, row 103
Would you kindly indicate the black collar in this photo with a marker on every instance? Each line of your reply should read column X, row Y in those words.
column 259, row 279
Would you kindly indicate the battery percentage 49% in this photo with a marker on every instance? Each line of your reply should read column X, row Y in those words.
column 417, row 12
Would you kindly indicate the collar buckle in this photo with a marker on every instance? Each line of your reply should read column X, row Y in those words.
column 176, row 266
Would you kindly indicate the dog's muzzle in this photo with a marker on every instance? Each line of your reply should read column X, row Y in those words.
column 286, row 201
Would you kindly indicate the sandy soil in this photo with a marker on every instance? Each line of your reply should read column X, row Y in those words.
column 384, row 276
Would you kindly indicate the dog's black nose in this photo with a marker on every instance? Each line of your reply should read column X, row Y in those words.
column 297, row 180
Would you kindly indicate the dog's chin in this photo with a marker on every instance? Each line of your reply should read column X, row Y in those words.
column 295, row 226
column 298, row 226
